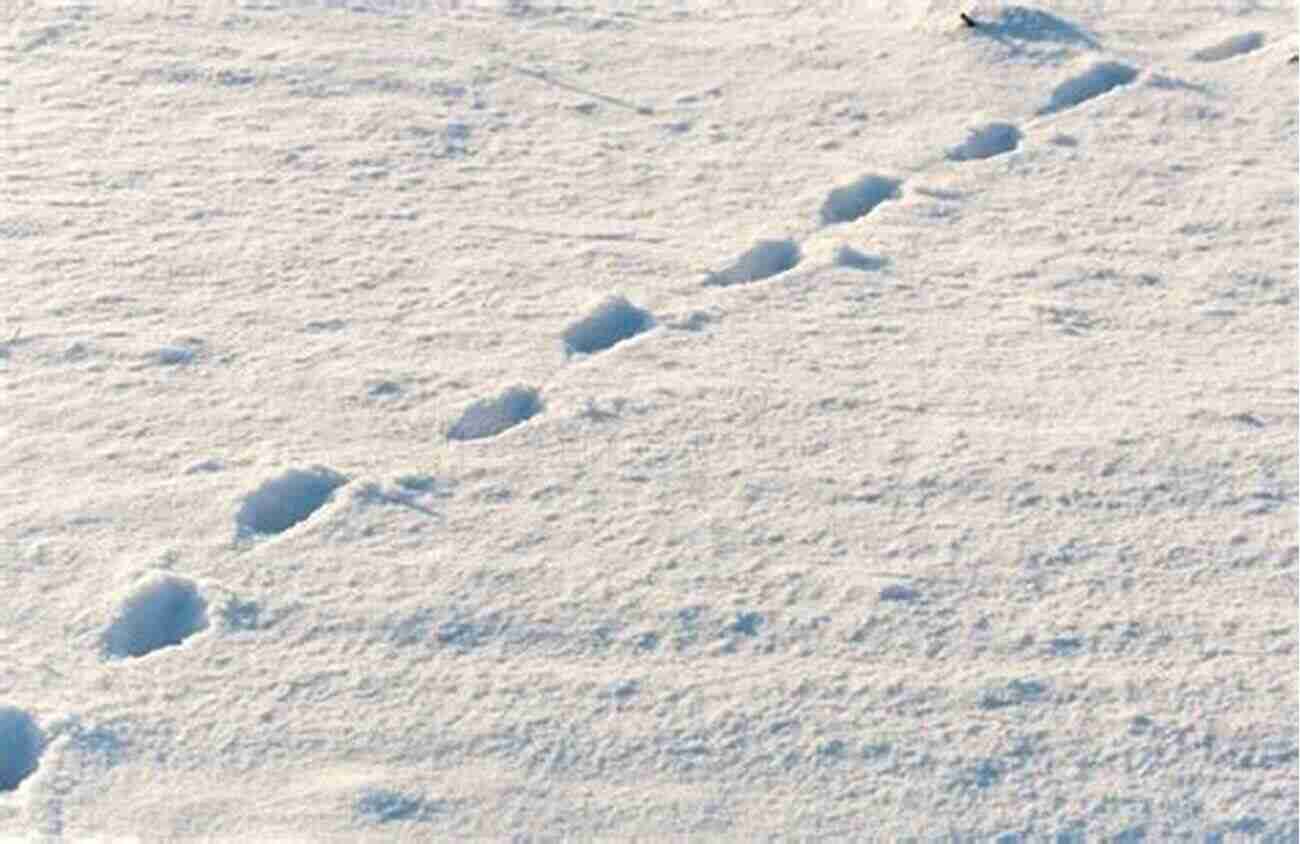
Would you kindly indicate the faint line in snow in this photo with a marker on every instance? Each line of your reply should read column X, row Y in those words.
column 616, row 236
column 543, row 76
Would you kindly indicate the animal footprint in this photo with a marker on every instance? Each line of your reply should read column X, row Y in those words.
column 1229, row 48
column 986, row 141
column 849, row 202
column 612, row 321
column 1095, row 81
column 763, row 260
column 489, row 417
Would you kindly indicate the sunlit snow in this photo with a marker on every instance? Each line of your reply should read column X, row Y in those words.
column 657, row 420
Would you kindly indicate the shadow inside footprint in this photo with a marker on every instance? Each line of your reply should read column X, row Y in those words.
column 763, row 260
column 1020, row 23
column 986, row 141
column 491, row 416
column 847, row 203
column 1229, row 48
column 847, row 256
column 612, row 321
column 1095, row 81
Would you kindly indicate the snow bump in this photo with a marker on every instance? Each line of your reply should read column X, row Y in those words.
column 489, row 417
column 849, row 202
column 764, row 259
column 283, row 502
column 613, row 320
column 1093, row 82
column 21, row 744
column 161, row 611
column 986, row 141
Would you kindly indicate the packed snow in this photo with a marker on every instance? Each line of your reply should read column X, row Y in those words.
column 446, row 420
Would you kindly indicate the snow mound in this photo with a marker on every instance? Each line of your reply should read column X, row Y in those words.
column 764, row 259
column 1022, row 23
column 162, row 610
column 283, row 502
column 612, row 321
column 21, row 743
column 849, row 202
column 489, row 417
column 1229, row 48
column 986, row 141
column 1095, row 81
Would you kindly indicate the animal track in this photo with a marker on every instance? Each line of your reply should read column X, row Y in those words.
column 1073, row 321
column 1095, row 81
column 162, row 610
column 899, row 592
column 21, row 745
column 849, row 202
column 384, row 805
column 986, row 141
column 764, row 259
column 847, row 256
column 1025, row 24
column 283, row 502
column 612, row 321
column 615, row 319
column 489, row 417
column 1228, row 48
column 173, row 356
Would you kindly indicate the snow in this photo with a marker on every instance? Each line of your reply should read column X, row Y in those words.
column 489, row 417
column 611, row 321
column 21, row 744
column 162, row 610
column 848, row 203
column 284, row 501
column 1230, row 47
column 1098, row 79
column 987, row 141
column 764, row 259
column 505, row 420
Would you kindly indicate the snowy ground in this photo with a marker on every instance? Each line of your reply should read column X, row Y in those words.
column 934, row 477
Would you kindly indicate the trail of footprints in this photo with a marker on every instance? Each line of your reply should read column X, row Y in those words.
column 162, row 609
column 616, row 319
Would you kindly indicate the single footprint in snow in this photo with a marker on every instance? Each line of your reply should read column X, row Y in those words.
column 986, row 141
column 160, row 611
column 1093, row 82
column 284, row 501
column 849, row 202
column 1229, row 48
column 21, row 745
column 489, row 417
column 611, row 321
column 764, row 259
column 1020, row 23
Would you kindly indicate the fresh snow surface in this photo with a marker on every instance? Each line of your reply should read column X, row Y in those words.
column 648, row 420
